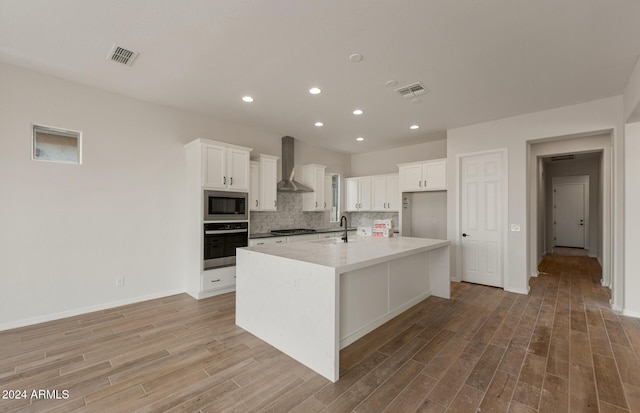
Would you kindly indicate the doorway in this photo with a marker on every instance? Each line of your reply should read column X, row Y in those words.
column 571, row 212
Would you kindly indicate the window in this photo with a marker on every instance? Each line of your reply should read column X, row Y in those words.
column 334, row 215
column 56, row 145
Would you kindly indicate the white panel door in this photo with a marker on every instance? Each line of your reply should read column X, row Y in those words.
column 435, row 176
column 268, row 184
column 365, row 193
column 481, row 219
column 352, row 198
column 393, row 194
column 411, row 178
column 569, row 216
column 254, row 186
column 214, row 166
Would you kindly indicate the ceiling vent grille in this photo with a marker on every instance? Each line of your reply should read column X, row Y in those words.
column 562, row 158
column 412, row 90
column 121, row 55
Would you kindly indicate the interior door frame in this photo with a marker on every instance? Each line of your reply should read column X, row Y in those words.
column 504, row 182
column 568, row 180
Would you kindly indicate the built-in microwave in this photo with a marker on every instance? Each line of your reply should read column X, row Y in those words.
column 223, row 206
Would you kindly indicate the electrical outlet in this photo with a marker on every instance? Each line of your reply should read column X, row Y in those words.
column 119, row 281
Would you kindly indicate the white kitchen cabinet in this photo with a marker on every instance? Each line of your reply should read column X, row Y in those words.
column 358, row 193
column 313, row 177
column 219, row 279
column 385, row 193
column 225, row 166
column 423, row 176
column 254, row 186
column 263, row 195
column 267, row 241
column 210, row 165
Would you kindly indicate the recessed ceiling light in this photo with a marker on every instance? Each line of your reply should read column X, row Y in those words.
column 356, row 57
column 414, row 127
column 358, row 112
column 391, row 82
column 359, row 138
column 318, row 124
column 315, row 91
column 247, row 99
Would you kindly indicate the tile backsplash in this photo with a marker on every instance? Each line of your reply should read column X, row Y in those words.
column 290, row 215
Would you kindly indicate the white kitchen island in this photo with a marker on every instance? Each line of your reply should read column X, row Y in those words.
column 313, row 298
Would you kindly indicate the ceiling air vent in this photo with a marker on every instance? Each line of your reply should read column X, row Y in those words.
column 412, row 90
column 562, row 158
column 121, row 55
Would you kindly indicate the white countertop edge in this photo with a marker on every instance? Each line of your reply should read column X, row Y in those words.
column 360, row 264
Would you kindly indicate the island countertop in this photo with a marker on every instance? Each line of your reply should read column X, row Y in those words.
column 359, row 252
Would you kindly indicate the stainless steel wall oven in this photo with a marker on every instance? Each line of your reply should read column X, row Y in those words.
column 220, row 242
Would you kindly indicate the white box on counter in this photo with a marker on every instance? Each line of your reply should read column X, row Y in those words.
column 382, row 232
column 383, row 223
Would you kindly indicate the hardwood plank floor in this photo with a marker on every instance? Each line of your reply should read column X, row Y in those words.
column 558, row 349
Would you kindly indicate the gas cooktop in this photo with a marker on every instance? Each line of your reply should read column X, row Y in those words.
column 293, row 231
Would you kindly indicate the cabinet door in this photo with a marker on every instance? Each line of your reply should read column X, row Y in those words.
column 313, row 177
column 214, row 167
column 365, row 193
column 352, row 198
column 268, row 182
column 238, row 170
column 328, row 192
column 393, row 194
column 435, row 176
column 379, row 193
column 254, row 187
column 411, row 178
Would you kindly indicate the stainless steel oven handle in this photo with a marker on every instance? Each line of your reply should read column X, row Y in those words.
column 226, row 231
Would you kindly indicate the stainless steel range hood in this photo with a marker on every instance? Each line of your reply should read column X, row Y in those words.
column 288, row 184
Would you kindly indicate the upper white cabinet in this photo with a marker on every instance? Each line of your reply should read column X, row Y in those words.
column 263, row 195
column 358, row 193
column 385, row 193
column 225, row 166
column 313, row 177
column 423, row 176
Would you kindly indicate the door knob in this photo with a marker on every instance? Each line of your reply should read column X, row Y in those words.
column 465, row 235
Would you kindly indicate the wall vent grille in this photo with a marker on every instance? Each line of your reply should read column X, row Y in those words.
column 119, row 54
column 412, row 90
column 562, row 158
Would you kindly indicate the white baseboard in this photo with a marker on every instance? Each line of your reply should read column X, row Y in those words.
column 635, row 314
column 517, row 290
column 85, row 310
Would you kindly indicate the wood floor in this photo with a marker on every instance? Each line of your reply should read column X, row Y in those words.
column 558, row 349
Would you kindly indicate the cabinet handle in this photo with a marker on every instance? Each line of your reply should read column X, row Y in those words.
column 224, row 180
column 256, row 202
column 425, row 183
column 275, row 203
column 420, row 184
column 325, row 204
column 279, row 242
column 260, row 243
column 231, row 181
column 215, row 281
column 316, row 204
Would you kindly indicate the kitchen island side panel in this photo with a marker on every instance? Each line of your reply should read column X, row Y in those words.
column 291, row 305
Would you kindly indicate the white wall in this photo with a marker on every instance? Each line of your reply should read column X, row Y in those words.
column 631, row 97
column 67, row 231
column 514, row 134
column 386, row 161
column 632, row 219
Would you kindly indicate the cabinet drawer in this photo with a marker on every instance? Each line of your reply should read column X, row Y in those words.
column 267, row 241
column 219, row 278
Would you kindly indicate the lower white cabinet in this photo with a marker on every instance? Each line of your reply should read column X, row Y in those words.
column 267, row 241
column 301, row 238
column 218, row 279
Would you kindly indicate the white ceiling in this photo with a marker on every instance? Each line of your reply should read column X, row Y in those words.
column 480, row 59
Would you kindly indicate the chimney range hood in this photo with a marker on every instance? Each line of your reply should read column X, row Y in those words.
column 288, row 184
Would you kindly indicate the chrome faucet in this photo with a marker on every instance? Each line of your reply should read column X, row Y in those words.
column 346, row 225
